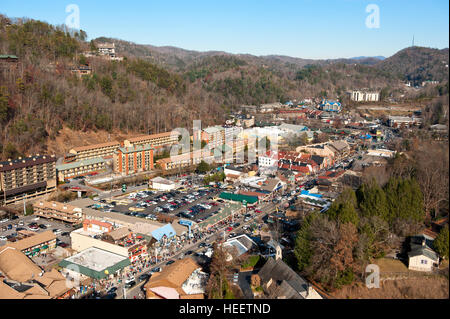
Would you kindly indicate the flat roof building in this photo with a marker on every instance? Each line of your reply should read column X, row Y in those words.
column 155, row 140
column 95, row 263
column 35, row 244
column 80, row 168
column 95, row 151
column 58, row 211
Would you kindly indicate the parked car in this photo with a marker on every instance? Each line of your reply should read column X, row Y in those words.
column 170, row 262
column 3, row 238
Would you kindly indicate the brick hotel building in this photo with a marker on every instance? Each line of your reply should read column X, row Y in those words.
column 134, row 159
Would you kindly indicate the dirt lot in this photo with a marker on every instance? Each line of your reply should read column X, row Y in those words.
column 397, row 282
column 68, row 139
column 433, row 287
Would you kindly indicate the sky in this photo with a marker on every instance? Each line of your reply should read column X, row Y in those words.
column 314, row 29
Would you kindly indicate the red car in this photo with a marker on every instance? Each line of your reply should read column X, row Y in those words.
column 229, row 229
column 258, row 211
column 76, row 187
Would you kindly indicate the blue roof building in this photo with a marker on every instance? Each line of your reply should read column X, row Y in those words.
column 330, row 106
column 165, row 231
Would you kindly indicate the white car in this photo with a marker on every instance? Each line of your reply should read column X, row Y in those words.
column 4, row 220
column 3, row 238
column 36, row 219
column 57, row 231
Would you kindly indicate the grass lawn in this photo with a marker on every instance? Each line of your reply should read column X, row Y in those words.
column 390, row 265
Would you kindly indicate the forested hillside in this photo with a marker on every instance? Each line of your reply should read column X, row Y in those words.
column 154, row 89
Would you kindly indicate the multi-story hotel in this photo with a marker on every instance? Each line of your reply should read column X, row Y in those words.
column 58, row 211
column 184, row 160
column 93, row 151
column 80, row 168
column 133, row 159
column 27, row 178
column 218, row 135
column 161, row 139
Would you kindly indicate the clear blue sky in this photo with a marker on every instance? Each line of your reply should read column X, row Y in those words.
column 300, row 28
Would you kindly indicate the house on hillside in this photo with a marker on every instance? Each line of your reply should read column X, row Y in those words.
column 421, row 256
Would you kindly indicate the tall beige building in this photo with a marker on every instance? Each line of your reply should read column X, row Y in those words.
column 27, row 178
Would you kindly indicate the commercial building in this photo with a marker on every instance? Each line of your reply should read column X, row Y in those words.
column 226, row 213
column 35, row 244
column 403, row 121
column 218, row 135
column 133, row 159
column 135, row 224
column 27, row 178
column 94, row 263
column 94, row 151
column 162, row 184
column 120, row 241
column 155, row 140
column 364, row 96
column 181, row 280
column 81, row 168
column 23, row 279
column 330, row 106
column 58, row 211
column 185, row 160
column 249, row 200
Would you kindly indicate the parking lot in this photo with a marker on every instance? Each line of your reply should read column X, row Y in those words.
column 10, row 227
column 195, row 204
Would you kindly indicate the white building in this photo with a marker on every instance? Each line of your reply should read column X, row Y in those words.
column 422, row 257
column 270, row 159
column 364, row 96
column 162, row 184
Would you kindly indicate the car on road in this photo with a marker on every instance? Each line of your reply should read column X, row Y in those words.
column 57, row 231
column 170, row 262
column 112, row 290
column 189, row 252
column 3, row 238
column 63, row 245
column 156, row 269
column 143, row 277
column 258, row 211
column 229, row 229
column 130, row 284
column 42, row 226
